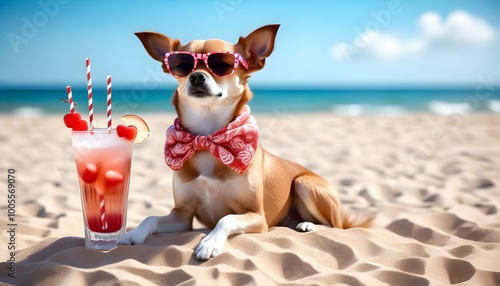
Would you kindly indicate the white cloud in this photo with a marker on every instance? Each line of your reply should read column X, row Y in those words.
column 387, row 47
column 457, row 30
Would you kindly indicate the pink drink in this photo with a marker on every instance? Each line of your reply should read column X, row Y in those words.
column 103, row 162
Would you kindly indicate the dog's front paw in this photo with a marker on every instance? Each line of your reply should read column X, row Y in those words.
column 306, row 227
column 210, row 246
column 135, row 236
column 139, row 234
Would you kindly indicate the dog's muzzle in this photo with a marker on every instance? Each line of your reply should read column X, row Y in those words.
column 199, row 86
column 197, row 79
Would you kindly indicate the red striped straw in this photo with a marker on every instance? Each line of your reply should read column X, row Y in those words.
column 70, row 98
column 89, row 91
column 102, row 209
column 108, row 81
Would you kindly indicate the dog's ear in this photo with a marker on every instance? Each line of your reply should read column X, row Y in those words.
column 158, row 45
column 257, row 46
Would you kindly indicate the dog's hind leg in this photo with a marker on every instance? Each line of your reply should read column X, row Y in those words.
column 316, row 202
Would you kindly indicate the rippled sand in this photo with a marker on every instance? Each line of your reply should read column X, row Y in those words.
column 433, row 181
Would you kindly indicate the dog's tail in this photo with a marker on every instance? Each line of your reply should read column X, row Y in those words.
column 351, row 219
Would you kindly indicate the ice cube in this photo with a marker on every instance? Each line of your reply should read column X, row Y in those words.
column 113, row 178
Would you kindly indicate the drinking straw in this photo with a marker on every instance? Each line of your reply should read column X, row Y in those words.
column 108, row 80
column 89, row 91
column 102, row 209
column 70, row 98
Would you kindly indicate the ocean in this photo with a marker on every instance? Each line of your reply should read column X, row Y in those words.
column 34, row 102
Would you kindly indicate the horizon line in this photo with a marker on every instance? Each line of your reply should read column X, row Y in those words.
column 278, row 86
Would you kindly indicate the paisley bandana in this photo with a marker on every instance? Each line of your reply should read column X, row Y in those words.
column 233, row 145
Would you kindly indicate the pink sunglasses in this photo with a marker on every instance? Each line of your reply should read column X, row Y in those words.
column 181, row 64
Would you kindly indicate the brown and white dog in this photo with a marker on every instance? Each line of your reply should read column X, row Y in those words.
column 255, row 193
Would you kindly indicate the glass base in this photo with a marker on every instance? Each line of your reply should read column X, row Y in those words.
column 103, row 241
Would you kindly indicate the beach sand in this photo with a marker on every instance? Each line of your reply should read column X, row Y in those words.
column 434, row 182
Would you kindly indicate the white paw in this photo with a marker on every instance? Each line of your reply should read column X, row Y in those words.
column 136, row 236
column 306, row 226
column 210, row 246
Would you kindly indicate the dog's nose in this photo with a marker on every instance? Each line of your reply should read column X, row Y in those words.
column 197, row 78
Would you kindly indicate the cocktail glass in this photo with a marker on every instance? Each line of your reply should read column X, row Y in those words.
column 103, row 162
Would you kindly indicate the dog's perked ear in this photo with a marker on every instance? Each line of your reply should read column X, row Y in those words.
column 158, row 45
column 257, row 46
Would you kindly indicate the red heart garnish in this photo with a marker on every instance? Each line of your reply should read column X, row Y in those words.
column 81, row 125
column 89, row 175
column 128, row 133
column 71, row 119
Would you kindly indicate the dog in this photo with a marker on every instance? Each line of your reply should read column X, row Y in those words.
column 223, row 177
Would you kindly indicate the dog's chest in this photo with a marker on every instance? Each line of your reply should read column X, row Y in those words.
column 205, row 164
column 215, row 192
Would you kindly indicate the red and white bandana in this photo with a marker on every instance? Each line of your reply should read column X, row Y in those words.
column 233, row 145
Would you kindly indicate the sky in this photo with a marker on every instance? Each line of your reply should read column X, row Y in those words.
column 320, row 43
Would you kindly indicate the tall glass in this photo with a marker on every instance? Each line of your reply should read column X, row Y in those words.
column 103, row 162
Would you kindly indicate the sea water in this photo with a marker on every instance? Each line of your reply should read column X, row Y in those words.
column 32, row 102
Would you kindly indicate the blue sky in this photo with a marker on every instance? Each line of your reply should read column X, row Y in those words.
column 333, row 43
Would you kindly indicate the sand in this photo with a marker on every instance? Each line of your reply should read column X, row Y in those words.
column 434, row 182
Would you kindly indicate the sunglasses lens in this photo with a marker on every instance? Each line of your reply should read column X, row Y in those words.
column 181, row 64
column 221, row 64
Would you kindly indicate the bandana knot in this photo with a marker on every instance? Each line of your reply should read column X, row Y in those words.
column 200, row 142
